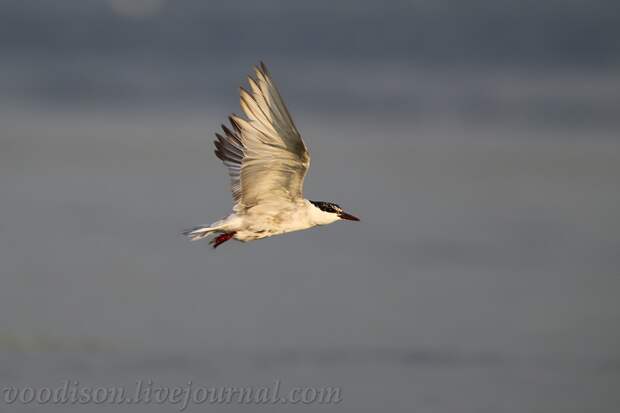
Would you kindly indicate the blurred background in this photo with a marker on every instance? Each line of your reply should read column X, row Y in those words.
column 478, row 141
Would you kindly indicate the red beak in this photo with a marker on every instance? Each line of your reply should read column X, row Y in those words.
column 348, row 217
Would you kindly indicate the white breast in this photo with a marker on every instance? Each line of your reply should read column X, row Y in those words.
column 267, row 220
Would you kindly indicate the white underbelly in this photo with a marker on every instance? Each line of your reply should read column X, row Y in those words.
column 261, row 226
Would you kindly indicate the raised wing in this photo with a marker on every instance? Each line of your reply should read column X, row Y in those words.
column 266, row 157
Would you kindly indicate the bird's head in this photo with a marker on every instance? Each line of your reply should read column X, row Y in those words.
column 328, row 212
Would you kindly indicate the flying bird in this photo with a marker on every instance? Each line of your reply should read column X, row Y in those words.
column 267, row 161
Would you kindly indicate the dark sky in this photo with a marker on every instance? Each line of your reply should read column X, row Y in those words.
column 549, row 60
column 575, row 33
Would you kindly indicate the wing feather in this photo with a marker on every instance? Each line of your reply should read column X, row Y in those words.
column 266, row 157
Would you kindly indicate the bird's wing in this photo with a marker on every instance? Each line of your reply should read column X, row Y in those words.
column 266, row 157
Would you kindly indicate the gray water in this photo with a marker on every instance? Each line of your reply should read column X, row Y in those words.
column 484, row 275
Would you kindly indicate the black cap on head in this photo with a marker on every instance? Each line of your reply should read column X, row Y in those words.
column 327, row 206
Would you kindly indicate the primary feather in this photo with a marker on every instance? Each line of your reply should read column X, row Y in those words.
column 266, row 157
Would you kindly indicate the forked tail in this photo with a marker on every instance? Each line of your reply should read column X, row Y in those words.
column 197, row 233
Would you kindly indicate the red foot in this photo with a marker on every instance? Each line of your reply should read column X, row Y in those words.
column 220, row 239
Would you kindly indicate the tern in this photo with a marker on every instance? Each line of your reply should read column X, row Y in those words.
column 267, row 162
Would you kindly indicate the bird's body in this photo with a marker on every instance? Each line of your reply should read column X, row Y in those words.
column 267, row 161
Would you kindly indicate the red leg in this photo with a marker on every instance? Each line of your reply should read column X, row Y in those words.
column 220, row 239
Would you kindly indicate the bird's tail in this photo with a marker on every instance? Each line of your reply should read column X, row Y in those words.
column 197, row 233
